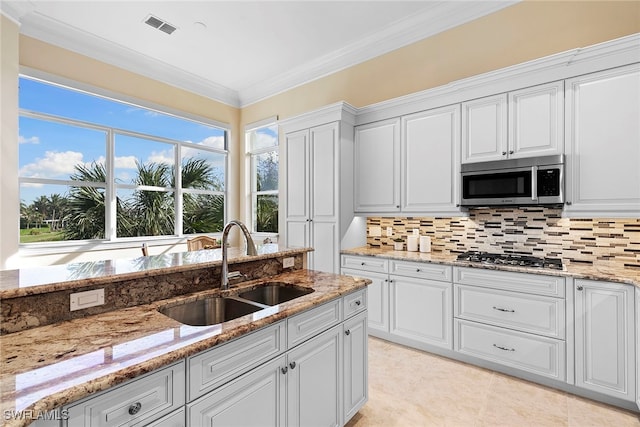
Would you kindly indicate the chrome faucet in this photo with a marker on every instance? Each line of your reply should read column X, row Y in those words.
column 251, row 249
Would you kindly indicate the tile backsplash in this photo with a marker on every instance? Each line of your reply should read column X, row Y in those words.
column 538, row 231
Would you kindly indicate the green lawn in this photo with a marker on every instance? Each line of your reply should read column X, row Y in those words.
column 42, row 234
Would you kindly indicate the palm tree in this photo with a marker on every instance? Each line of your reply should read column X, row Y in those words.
column 152, row 211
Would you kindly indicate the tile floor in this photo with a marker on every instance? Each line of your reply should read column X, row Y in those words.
column 450, row 393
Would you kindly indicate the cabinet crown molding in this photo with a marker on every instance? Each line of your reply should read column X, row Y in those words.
column 339, row 111
column 571, row 63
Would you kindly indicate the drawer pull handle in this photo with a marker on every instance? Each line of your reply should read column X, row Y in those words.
column 135, row 408
column 358, row 302
column 506, row 310
column 504, row 348
column 347, row 332
column 292, row 365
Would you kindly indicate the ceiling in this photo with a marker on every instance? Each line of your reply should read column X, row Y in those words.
column 239, row 52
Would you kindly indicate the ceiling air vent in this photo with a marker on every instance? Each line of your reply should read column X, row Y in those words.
column 161, row 25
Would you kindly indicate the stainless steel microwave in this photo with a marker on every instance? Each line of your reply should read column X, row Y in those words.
column 524, row 182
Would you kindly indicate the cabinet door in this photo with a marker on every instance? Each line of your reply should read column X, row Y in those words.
column 430, row 159
column 326, row 253
column 254, row 399
column 377, row 300
column 297, row 175
column 421, row 311
column 314, row 381
column 484, row 129
column 638, row 346
column 604, row 338
column 603, row 142
column 536, row 121
column 355, row 365
column 377, row 167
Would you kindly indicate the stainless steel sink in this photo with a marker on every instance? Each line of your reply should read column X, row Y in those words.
column 209, row 311
column 275, row 293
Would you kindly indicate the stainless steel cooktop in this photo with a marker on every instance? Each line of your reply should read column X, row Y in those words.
column 511, row 259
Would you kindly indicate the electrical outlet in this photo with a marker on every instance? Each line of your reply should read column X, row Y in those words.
column 87, row 299
column 389, row 231
column 288, row 262
column 375, row 231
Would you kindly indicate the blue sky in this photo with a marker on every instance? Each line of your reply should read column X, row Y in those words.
column 51, row 150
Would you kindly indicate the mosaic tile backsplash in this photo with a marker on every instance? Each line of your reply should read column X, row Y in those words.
column 535, row 231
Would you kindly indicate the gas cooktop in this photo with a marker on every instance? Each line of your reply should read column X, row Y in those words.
column 511, row 259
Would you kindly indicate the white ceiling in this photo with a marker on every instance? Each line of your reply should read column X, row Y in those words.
column 246, row 50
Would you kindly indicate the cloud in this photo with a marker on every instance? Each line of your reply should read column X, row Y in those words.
column 125, row 162
column 31, row 140
column 54, row 164
column 211, row 141
column 165, row 156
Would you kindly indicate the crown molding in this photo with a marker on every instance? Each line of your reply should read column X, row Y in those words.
column 338, row 111
column 59, row 34
column 14, row 10
column 436, row 19
column 609, row 54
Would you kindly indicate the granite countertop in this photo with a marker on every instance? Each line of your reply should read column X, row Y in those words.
column 39, row 280
column 612, row 271
column 46, row 367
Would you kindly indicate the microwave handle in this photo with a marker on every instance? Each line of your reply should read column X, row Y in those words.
column 534, row 183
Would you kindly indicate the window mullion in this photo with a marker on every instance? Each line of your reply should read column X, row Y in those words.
column 110, row 192
column 178, row 199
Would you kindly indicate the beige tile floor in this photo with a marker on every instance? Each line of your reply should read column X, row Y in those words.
column 409, row 387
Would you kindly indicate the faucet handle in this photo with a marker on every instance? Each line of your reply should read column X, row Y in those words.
column 237, row 275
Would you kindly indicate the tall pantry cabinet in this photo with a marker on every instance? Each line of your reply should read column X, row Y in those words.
column 317, row 176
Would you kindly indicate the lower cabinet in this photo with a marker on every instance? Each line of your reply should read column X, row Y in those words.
column 377, row 299
column 604, row 338
column 309, row 369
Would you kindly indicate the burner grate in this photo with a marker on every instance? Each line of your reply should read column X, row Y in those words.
column 511, row 259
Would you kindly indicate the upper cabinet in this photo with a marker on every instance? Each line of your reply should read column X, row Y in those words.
column 377, row 167
column 430, row 153
column 603, row 143
column 523, row 123
column 409, row 164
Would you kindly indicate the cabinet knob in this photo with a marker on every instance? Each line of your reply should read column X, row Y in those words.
column 568, row 202
column 397, row 206
column 579, row 287
column 362, row 263
column 417, row 270
column 292, row 365
column 504, row 153
column 511, row 152
column 347, row 332
column 284, row 370
column 135, row 408
column 358, row 302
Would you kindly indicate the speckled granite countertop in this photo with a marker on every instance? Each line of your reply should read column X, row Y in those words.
column 611, row 271
column 39, row 280
column 46, row 367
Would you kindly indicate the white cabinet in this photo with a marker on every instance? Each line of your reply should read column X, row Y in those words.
column 317, row 183
column 136, row 402
column 408, row 302
column 604, row 338
column 314, row 387
column 638, row 345
column 377, row 167
column 254, row 399
column 523, row 123
column 603, row 143
column 355, row 365
column 430, row 153
column 512, row 319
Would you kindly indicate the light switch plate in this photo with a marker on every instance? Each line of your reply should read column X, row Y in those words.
column 80, row 300
column 288, row 262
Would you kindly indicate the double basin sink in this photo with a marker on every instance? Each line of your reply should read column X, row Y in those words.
column 217, row 309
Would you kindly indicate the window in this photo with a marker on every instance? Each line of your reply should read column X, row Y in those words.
column 91, row 168
column 262, row 147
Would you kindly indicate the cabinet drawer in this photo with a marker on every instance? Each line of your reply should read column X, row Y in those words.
column 531, row 353
column 511, row 281
column 212, row 368
column 365, row 263
column 422, row 270
column 305, row 325
column 527, row 313
column 154, row 395
column 175, row 419
column 354, row 303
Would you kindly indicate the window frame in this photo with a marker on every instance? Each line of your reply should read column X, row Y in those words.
column 252, row 193
column 111, row 241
